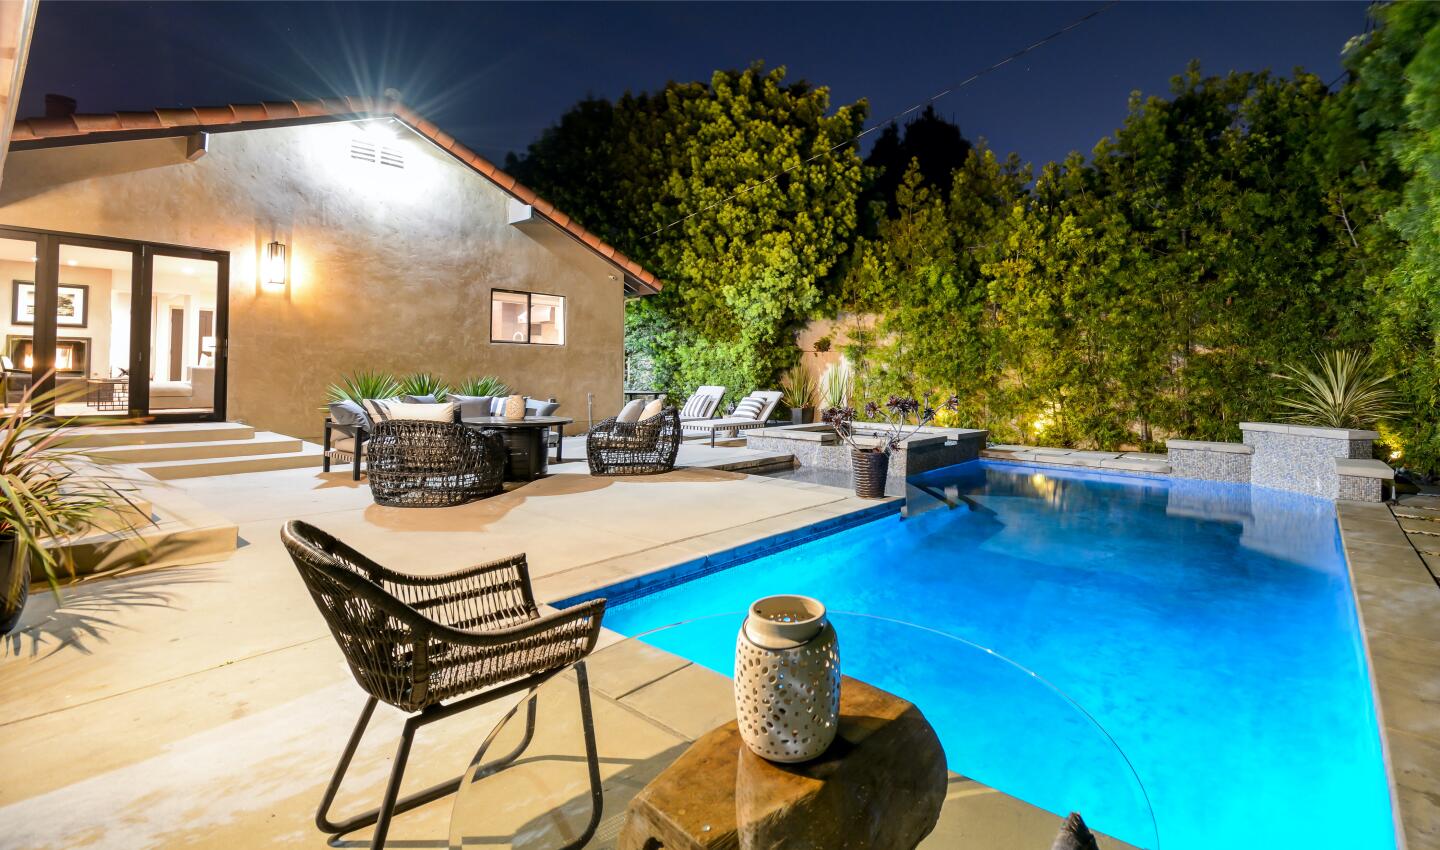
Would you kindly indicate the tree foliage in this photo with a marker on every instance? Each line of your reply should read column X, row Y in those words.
column 1151, row 289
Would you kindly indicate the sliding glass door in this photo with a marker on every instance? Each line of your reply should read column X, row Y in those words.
column 116, row 327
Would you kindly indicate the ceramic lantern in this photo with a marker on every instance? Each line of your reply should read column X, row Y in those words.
column 787, row 679
column 515, row 407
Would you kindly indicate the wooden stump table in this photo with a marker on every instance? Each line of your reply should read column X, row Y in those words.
column 880, row 785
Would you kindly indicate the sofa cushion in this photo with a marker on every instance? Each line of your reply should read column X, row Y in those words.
column 631, row 411
column 421, row 412
column 171, row 389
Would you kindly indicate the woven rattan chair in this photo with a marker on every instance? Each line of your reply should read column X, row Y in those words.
column 438, row 645
column 634, row 448
column 419, row 464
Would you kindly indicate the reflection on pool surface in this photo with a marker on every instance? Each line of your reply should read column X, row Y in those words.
column 1208, row 628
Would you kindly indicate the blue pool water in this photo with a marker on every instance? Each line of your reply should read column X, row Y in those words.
column 1208, row 628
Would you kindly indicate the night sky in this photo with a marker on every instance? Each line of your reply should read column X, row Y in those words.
column 495, row 74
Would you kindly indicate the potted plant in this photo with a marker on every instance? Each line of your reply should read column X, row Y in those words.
column 888, row 426
column 48, row 491
column 1347, row 390
column 798, row 393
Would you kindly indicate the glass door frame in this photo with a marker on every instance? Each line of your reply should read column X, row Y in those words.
column 46, row 330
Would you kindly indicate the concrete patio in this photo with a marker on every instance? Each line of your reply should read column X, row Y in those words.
column 205, row 705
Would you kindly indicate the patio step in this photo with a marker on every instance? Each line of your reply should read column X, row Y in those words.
column 308, row 455
column 131, row 435
column 262, row 443
column 176, row 532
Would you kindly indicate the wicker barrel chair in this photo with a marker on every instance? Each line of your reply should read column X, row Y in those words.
column 435, row 646
column 634, row 448
column 420, row 464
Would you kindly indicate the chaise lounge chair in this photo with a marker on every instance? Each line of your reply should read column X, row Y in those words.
column 436, row 645
column 753, row 411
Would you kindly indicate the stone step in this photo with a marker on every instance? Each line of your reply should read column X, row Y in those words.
column 262, row 443
column 130, row 435
column 309, row 456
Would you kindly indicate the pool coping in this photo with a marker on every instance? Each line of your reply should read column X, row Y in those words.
column 1397, row 604
column 628, row 577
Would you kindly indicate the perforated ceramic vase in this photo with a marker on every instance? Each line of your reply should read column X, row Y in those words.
column 515, row 407
column 787, row 679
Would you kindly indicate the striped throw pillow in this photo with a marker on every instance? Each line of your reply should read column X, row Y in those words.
column 748, row 408
column 695, row 408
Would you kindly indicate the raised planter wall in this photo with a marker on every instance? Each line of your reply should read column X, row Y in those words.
column 1301, row 458
column 1210, row 461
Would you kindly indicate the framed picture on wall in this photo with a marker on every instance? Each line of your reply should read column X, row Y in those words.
column 72, row 304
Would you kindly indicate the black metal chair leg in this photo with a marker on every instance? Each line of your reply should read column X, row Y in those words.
column 507, row 759
column 325, row 462
column 322, row 815
column 592, row 759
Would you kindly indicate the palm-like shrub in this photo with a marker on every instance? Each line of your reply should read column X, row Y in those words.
column 490, row 385
column 424, row 383
column 359, row 386
column 797, row 387
column 50, row 490
column 1347, row 389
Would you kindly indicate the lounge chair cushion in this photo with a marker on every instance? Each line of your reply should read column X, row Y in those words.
column 348, row 413
column 653, row 408
column 422, row 412
column 631, row 411
column 748, row 408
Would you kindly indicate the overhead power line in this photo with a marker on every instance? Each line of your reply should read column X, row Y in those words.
column 897, row 116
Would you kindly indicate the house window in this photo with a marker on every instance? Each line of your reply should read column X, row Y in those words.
column 528, row 317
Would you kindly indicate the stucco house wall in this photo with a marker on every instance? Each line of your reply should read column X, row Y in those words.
column 389, row 268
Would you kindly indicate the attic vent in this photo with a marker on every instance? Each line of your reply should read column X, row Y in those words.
column 365, row 150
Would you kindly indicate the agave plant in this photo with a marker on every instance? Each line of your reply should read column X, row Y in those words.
column 50, row 490
column 359, row 386
column 490, row 385
column 423, row 383
column 1348, row 389
column 797, row 387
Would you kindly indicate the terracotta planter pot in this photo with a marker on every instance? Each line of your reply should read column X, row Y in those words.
column 14, row 585
column 870, row 471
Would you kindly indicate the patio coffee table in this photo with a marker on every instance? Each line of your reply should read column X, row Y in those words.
column 662, row 727
column 525, row 442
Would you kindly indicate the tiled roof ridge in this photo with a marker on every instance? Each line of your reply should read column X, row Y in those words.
column 199, row 118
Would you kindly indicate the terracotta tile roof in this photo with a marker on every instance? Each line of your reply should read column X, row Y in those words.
column 116, row 125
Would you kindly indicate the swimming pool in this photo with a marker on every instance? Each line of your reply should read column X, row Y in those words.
column 1209, row 628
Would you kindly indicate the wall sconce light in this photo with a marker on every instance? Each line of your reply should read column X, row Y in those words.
column 275, row 265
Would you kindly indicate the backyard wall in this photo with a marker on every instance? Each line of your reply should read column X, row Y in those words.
column 389, row 268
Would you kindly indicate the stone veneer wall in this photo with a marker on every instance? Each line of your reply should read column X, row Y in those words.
column 1209, row 461
column 1301, row 458
column 1357, row 488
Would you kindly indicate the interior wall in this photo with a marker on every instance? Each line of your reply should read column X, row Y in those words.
column 388, row 269
column 97, row 329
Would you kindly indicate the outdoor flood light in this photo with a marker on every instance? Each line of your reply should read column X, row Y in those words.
column 275, row 265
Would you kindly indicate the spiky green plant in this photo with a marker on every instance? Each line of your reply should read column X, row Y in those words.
column 836, row 386
column 359, row 386
column 51, row 490
column 797, row 387
column 424, row 383
column 490, row 385
column 1348, row 389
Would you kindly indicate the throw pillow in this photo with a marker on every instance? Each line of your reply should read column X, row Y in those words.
column 695, row 407
column 421, row 412
column 349, row 413
column 652, row 409
column 536, row 407
column 472, row 405
column 376, row 408
column 631, row 411
column 419, row 399
column 748, row 408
